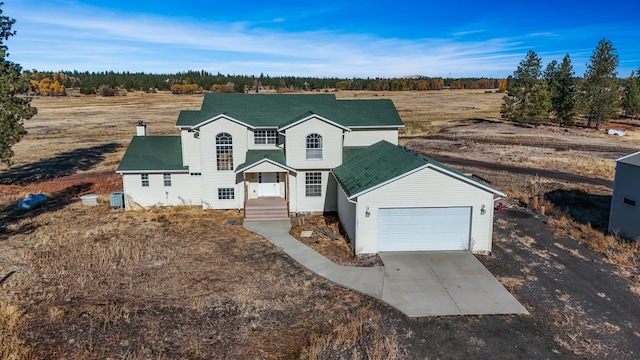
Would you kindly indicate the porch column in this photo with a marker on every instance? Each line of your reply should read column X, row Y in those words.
column 246, row 196
column 286, row 190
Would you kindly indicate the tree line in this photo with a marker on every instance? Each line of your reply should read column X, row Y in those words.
column 556, row 95
column 55, row 83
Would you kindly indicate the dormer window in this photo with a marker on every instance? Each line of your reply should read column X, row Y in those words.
column 314, row 147
column 263, row 137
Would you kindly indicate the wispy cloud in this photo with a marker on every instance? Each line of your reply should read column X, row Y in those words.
column 107, row 40
column 469, row 32
column 543, row 34
column 84, row 37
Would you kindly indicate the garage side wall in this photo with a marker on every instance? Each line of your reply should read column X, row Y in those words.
column 425, row 188
column 347, row 214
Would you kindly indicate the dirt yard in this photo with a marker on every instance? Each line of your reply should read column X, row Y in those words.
column 89, row 282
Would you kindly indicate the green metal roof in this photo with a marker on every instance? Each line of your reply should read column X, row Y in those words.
column 254, row 157
column 278, row 110
column 368, row 168
column 153, row 153
column 191, row 117
column 633, row 159
column 349, row 152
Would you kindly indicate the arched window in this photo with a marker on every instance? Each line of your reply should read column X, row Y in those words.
column 224, row 151
column 314, row 147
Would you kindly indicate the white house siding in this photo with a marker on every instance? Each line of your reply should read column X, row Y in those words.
column 293, row 191
column 366, row 137
column 425, row 188
column 190, row 151
column 347, row 214
column 296, row 145
column 315, row 204
column 212, row 179
column 624, row 217
column 184, row 190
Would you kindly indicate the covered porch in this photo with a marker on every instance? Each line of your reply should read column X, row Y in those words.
column 265, row 179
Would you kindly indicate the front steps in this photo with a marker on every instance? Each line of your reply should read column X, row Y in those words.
column 265, row 209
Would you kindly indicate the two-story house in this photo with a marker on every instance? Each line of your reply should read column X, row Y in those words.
column 273, row 155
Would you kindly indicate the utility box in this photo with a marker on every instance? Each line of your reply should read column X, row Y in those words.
column 89, row 200
column 117, row 199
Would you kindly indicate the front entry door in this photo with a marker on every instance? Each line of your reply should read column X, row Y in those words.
column 268, row 184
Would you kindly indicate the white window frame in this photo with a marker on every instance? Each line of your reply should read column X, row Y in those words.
column 224, row 152
column 314, row 146
column 166, row 179
column 144, row 179
column 313, row 184
column 265, row 137
column 226, row 193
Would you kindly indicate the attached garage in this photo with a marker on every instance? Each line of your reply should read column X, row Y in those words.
column 424, row 229
column 393, row 199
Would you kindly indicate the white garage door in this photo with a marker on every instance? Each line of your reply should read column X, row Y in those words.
column 424, row 229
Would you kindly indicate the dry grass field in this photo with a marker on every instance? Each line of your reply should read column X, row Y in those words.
column 88, row 282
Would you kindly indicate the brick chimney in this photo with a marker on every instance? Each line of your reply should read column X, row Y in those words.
column 141, row 128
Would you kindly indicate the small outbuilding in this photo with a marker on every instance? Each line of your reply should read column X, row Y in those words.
column 394, row 199
column 625, row 206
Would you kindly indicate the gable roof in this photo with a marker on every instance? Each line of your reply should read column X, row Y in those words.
column 309, row 116
column 276, row 110
column 255, row 157
column 632, row 159
column 381, row 163
column 153, row 154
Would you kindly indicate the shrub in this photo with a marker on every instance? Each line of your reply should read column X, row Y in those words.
column 105, row 90
column 221, row 88
column 87, row 90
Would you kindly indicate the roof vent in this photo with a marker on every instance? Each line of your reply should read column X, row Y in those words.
column 141, row 128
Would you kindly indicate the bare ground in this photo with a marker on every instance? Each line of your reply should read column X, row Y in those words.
column 184, row 283
column 189, row 283
column 591, row 310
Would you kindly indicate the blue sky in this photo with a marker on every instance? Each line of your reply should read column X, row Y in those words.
column 318, row 38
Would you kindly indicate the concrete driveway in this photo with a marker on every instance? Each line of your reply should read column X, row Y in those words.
column 426, row 283
column 434, row 283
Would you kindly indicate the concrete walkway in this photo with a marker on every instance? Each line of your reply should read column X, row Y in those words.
column 416, row 283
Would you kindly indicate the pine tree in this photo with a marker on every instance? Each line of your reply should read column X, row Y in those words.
column 631, row 95
column 527, row 99
column 600, row 95
column 13, row 107
column 562, row 89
